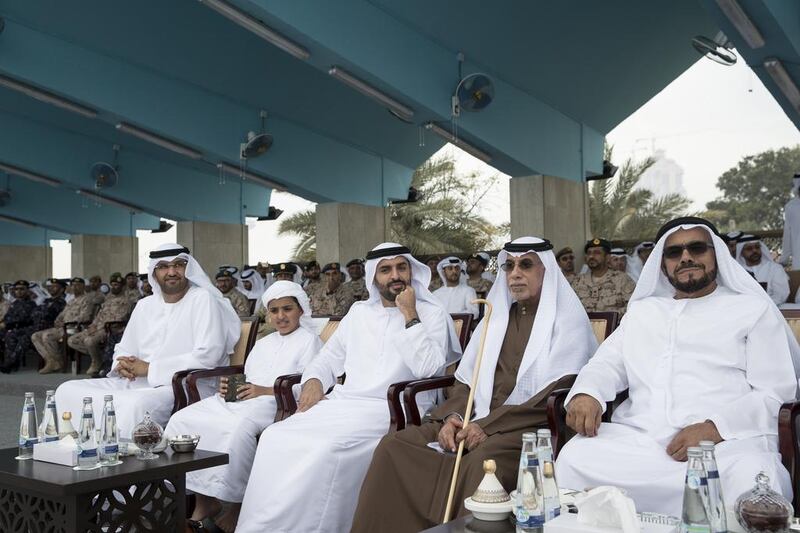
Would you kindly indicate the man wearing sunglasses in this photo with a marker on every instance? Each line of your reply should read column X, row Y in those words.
column 704, row 355
column 602, row 289
column 756, row 258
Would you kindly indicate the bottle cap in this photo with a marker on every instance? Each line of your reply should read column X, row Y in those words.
column 28, row 395
column 50, row 393
column 528, row 436
column 108, row 397
column 694, row 451
column 706, row 445
column 67, row 415
column 547, row 469
column 87, row 399
column 542, row 433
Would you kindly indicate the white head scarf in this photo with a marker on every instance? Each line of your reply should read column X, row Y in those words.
column 452, row 261
column 284, row 289
column 766, row 254
column 730, row 274
column 256, row 284
column 194, row 273
column 420, row 279
column 38, row 294
column 561, row 339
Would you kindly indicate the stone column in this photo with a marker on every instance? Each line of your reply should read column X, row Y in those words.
column 103, row 255
column 550, row 207
column 347, row 231
column 214, row 244
column 25, row 262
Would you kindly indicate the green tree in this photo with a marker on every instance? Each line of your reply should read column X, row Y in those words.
column 618, row 210
column 445, row 219
column 755, row 190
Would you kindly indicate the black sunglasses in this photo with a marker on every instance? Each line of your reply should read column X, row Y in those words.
column 523, row 264
column 695, row 249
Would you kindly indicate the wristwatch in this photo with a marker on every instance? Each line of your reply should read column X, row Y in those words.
column 413, row 322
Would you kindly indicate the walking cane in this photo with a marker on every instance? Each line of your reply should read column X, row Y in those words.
column 470, row 398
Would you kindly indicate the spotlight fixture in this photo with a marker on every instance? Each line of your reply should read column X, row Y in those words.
column 401, row 111
column 163, row 226
column 158, row 140
column 250, row 23
column 47, row 97
column 272, row 214
column 609, row 171
column 413, row 196
column 258, row 178
column 742, row 23
column 449, row 137
column 110, row 201
column 22, row 173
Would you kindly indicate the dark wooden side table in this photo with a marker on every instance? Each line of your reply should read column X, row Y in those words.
column 140, row 496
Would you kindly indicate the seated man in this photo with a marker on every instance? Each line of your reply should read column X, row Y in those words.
column 755, row 257
column 601, row 288
column 456, row 296
column 95, row 294
column 531, row 349
column 476, row 273
column 131, row 289
column 226, row 284
column 18, row 320
column 704, row 355
column 356, row 288
column 321, row 453
column 333, row 300
column 185, row 324
column 48, row 341
column 43, row 317
column 251, row 285
column 565, row 258
column 147, row 289
column 116, row 308
column 232, row 427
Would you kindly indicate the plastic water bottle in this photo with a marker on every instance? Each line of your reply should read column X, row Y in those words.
column 48, row 429
column 715, row 506
column 28, row 428
column 529, row 500
column 693, row 517
column 87, row 439
column 109, row 441
column 544, row 448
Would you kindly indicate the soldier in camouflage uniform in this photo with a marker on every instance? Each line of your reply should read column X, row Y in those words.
column 132, row 287
column 314, row 283
column 116, row 308
column 565, row 258
column 476, row 266
column 333, row 300
column 48, row 341
column 356, row 288
column 602, row 289
column 94, row 294
column 436, row 280
column 18, row 321
column 147, row 289
column 226, row 283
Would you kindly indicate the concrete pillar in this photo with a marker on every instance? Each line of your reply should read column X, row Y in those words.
column 347, row 231
column 554, row 208
column 103, row 255
column 26, row 262
column 215, row 244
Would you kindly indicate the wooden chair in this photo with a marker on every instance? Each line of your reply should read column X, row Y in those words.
column 252, row 302
column 788, row 418
column 792, row 317
column 603, row 323
column 241, row 350
column 67, row 352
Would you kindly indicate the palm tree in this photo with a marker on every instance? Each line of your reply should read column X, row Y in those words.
column 617, row 210
column 445, row 219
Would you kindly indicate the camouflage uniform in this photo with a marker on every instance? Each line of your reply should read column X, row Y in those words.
column 133, row 295
column 482, row 286
column 314, row 288
column 239, row 302
column 436, row 282
column 48, row 341
column 96, row 298
column 332, row 304
column 18, row 320
column 90, row 340
column 610, row 292
column 265, row 327
column 355, row 291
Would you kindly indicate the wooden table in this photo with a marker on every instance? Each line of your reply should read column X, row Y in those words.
column 469, row 524
column 40, row 497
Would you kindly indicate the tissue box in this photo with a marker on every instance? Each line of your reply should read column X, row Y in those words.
column 55, row 452
column 568, row 523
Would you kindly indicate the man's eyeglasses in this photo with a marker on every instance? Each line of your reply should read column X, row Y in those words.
column 522, row 264
column 177, row 265
column 695, row 249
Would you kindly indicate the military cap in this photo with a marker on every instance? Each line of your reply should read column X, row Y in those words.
column 331, row 266
column 284, row 268
column 480, row 257
column 56, row 281
column 77, row 279
column 22, row 282
column 224, row 274
column 595, row 243
column 355, row 262
column 116, row 276
column 134, row 274
column 311, row 264
column 564, row 251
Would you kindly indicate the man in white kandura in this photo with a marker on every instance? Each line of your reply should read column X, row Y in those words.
column 308, row 468
column 755, row 257
column 185, row 324
column 251, row 284
column 704, row 355
column 232, row 427
column 455, row 294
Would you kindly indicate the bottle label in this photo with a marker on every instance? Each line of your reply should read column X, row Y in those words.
column 87, row 453
column 51, row 438
column 110, row 412
column 26, row 442
column 29, row 408
column 110, row 449
column 713, row 474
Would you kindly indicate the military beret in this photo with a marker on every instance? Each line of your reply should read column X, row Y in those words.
column 598, row 243
column 331, row 266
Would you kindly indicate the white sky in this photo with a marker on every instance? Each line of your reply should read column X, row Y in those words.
column 706, row 120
